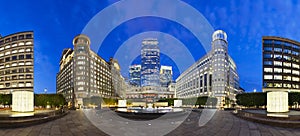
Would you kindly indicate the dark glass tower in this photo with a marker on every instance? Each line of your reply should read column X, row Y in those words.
column 150, row 55
column 281, row 66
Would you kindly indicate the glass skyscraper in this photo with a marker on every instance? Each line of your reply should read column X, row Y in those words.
column 135, row 75
column 150, row 56
column 166, row 74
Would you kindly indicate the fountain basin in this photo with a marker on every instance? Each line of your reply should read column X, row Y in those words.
column 137, row 113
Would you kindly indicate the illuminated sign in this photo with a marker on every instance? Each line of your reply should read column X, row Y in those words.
column 22, row 101
column 122, row 103
column 277, row 101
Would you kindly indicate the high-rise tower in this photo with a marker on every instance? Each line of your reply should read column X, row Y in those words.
column 219, row 64
column 150, row 55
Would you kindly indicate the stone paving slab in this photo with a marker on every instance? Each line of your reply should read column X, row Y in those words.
column 222, row 124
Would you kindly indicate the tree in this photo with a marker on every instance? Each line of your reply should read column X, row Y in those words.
column 169, row 100
column 49, row 99
column 109, row 101
column 294, row 97
column 6, row 99
column 252, row 99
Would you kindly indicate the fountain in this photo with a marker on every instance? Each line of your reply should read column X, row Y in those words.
column 148, row 112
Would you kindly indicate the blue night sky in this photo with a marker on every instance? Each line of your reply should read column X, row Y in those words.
column 56, row 23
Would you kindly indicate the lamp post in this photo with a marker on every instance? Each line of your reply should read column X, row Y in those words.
column 45, row 90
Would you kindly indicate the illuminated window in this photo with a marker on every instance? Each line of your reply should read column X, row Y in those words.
column 287, row 85
column 287, row 71
column 277, row 56
column 277, row 85
column 28, row 50
column 277, row 63
column 28, row 63
column 278, row 77
column 287, row 78
column 295, row 78
column 28, row 43
column 295, row 65
column 14, row 45
column 14, row 51
column 8, row 46
column 7, row 53
column 268, row 70
column 287, row 64
column 295, row 72
column 21, row 50
column 277, row 70
column 268, row 77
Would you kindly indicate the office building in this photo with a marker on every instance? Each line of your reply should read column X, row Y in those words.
column 150, row 56
column 281, row 66
column 16, row 62
column 280, row 71
column 151, row 89
column 213, row 75
column 135, row 75
column 166, row 75
column 84, row 74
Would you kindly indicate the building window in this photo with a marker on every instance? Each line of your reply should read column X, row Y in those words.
column 277, row 56
column 277, row 63
column 276, row 85
column 287, row 64
column 268, row 56
column 21, row 57
column 288, row 78
column 268, row 77
column 28, row 36
column 14, row 58
column 277, row 50
column 28, row 56
column 278, row 77
column 267, row 48
column 295, row 72
column 287, row 51
column 268, row 70
column 287, row 71
column 286, row 57
column 295, row 65
column 287, row 85
column 268, row 63
column 21, row 37
column 295, row 78
column 277, row 70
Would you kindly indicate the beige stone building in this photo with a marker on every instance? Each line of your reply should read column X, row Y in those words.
column 84, row 74
column 16, row 62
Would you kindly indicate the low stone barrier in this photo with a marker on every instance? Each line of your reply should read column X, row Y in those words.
column 292, row 121
column 38, row 118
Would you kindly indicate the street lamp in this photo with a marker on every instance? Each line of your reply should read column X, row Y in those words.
column 45, row 90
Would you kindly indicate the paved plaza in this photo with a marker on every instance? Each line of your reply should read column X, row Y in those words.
column 222, row 124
